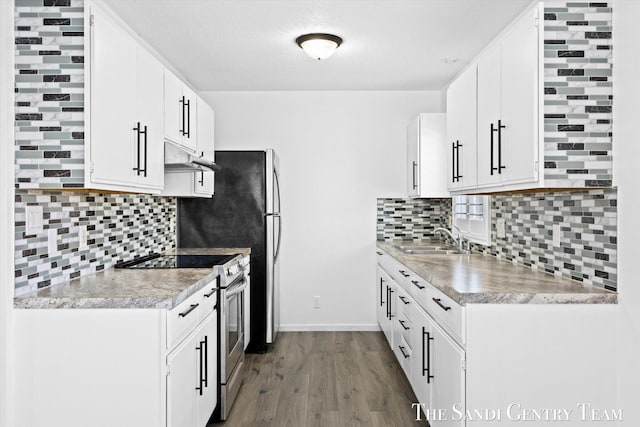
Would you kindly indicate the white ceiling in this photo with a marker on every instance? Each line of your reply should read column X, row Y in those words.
column 248, row 45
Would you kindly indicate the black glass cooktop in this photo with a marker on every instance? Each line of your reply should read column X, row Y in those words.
column 176, row 261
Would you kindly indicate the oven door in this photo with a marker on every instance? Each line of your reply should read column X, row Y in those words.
column 234, row 325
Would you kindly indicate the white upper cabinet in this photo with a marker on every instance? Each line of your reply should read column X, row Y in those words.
column 125, row 144
column 205, row 130
column 508, row 97
column 180, row 112
column 502, row 92
column 426, row 156
column 461, row 132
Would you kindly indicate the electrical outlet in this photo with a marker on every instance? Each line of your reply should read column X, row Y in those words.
column 82, row 236
column 501, row 229
column 316, row 302
column 52, row 241
column 34, row 220
column 556, row 235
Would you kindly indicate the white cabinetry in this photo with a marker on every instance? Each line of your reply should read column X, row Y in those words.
column 426, row 156
column 489, row 356
column 125, row 144
column 180, row 112
column 118, row 366
column 503, row 152
column 461, row 132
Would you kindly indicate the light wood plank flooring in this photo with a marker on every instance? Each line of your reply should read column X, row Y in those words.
column 333, row 379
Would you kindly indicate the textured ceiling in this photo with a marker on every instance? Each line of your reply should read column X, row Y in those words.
column 248, row 45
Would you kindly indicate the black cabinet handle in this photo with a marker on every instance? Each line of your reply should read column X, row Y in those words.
column 381, row 282
column 213, row 291
column 387, row 302
column 406, row 356
column 215, row 307
column 458, row 176
column 413, row 175
column 453, row 162
column 201, row 182
column 379, row 253
column 390, row 303
column 404, row 273
column 493, row 129
column 183, row 129
column 145, row 151
column 200, row 379
column 189, row 310
column 406, row 328
column 426, row 369
column 415, row 282
column 500, row 127
column 206, row 361
column 137, row 129
column 442, row 306
column 188, row 125
column 404, row 300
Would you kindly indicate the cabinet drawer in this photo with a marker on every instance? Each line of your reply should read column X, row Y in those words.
column 403, row 353
column 447, row 312
column 185, row 316
column 405, row 327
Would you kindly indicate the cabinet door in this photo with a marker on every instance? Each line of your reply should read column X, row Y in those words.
column 190, row 134
column 413, row 165
column 172, row 107
column 519, row 101
column 448, row 382
column 182, row 381
column 150, row 116
column 461, row 141
column 206, row 131
column 203, row 183
column 208, row 340
column 489, row 93
column 420, row 380
column 112, row 98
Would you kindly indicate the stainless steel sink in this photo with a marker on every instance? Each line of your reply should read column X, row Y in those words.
column 430, row 249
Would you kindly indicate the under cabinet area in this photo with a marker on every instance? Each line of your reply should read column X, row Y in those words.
column 464, row 359
column 426, row 156
column 135, row 367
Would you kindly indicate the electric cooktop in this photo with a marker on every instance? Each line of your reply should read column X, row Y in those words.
column 176, row 261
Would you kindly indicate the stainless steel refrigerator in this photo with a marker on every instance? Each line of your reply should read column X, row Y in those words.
column 244, row 212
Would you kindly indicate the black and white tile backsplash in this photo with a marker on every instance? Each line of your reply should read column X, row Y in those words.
column 120, row 227
column 588, row 225
column 49, row 46
column 578, row 94
column 411, row 219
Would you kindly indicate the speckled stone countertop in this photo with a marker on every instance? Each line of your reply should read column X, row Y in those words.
column 478, row 278
column 129, row 288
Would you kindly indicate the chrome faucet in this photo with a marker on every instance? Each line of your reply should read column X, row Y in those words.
column 460, row 240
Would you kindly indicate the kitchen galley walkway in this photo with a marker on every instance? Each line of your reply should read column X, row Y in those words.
column 332, row 379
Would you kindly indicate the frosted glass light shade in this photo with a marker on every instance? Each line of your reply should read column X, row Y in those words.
column 319, row 45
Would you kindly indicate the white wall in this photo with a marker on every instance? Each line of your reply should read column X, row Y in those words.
column 626, row 138
column 338, row 151
column 6, row 211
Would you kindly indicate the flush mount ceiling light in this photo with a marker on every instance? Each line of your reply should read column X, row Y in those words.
column 319, row 45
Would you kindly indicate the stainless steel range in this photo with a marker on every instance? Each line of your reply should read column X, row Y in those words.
column 234, row 286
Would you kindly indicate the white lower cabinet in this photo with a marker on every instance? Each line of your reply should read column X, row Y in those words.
column 487, row 364
column 126, row 367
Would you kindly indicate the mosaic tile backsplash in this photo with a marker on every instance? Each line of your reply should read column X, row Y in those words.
column 578, row 94
column 588, row 230
column 119, row 226
column 411, row 219
column 49, row 46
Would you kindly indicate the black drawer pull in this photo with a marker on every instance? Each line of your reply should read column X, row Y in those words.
column 404, row 273
column 406, row 328
column 213, row 291
column 406, row 356
column 415, row 282
column 379, row 253
column 404, row 300
column 189, row 310
column 442, row 306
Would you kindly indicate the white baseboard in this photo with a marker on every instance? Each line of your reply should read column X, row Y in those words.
column 369, row 327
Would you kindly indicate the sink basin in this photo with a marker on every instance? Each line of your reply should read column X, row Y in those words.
column 430, row 249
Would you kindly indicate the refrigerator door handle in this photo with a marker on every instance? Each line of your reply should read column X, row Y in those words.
column 275, row 257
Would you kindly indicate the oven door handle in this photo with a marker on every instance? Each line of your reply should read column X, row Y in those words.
column 236, row 289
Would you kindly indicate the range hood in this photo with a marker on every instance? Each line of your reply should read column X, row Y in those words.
column 176, row 159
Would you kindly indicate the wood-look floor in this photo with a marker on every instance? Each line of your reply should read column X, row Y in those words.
column 333, row 379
